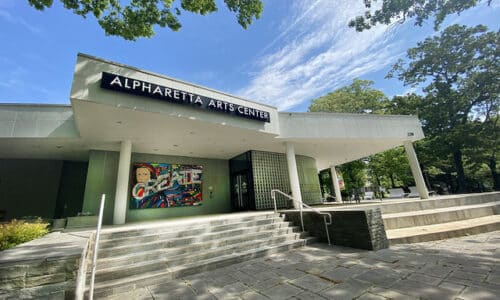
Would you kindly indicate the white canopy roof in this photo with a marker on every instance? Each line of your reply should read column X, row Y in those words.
column 99, row 119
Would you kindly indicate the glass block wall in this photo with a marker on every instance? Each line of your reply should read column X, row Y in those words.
column 270, row 171
column 309, row 179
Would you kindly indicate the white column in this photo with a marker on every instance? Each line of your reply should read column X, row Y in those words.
column 121, row 195
column 336, row 187
column 293, row 174
column 415, row 170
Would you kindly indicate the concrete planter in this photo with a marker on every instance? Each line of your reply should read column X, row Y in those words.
column 58, row 224
column 82, row 221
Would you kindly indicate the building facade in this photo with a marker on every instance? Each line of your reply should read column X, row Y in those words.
column 162, row 148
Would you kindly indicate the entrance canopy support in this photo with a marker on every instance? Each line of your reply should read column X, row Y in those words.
column 336, row 187
column 120, row 210
column 293, row 174
column 415, row 170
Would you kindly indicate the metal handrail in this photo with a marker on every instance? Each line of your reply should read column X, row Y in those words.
column 301, row 205
column 96, row 248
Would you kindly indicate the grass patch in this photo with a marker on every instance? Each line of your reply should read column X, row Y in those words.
column 18, row 231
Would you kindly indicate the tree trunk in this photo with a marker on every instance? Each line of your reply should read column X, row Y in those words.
column 459, row 167
column 492, row 163
column 391, row 176
column 378, row 180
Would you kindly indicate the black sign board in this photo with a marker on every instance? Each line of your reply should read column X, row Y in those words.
column 142, row 88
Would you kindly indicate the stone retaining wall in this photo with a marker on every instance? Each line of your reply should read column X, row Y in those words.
column 362, row 229
column 34, row 279
column 43, row 268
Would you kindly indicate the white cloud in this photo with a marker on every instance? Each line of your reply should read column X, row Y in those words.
column 317, row 53
column 19, row 21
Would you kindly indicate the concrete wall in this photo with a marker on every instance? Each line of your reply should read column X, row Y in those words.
column 29, row 187
column 101, row 178
column 71, row 189
column 37, row 121
column 344, row 126
column 308, row 179
column 44, row 188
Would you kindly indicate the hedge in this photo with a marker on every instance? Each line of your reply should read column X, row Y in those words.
column 17, row 232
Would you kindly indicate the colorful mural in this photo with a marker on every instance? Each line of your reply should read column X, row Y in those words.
column 166, row 185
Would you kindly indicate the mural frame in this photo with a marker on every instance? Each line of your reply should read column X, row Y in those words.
column 165, row 185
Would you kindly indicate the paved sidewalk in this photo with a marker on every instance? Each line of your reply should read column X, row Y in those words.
column 460, row 268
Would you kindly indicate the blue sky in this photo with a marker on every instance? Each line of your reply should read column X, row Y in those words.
column 297, row 51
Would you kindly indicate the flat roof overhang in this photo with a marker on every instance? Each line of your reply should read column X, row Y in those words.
column 332, row 139
column 167, row 134
column 337, row 138
column 54, row 132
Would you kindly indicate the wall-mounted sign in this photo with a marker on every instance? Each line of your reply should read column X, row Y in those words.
column 142, row 88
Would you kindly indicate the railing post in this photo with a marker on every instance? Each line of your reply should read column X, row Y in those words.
column 301, row 207
column 273, row 195
column 301, row 218
column 327, row 233
column 96, row 247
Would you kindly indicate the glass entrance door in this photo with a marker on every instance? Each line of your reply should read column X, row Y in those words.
column 240, row 192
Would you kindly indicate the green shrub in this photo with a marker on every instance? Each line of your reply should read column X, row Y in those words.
column 17, row 232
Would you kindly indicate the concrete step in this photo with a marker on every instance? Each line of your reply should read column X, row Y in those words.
column 159, row 234
column 193, row 248
column 440, row 215
column 169, row 261
column 407, row 205
column 443, row 230
column 193, row 224
column 115, row 286
column 175, row 242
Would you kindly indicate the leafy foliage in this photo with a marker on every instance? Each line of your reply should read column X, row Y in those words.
column 354, row 176
column 459, row 71
column 390, row 168
column 17, row 232
column 358, row 97
column 137, row 18
column 401, row 10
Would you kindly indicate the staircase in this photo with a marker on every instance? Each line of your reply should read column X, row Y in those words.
column 139, row 256
column 441, row 217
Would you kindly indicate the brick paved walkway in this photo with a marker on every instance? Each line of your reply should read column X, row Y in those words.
column 460, row 268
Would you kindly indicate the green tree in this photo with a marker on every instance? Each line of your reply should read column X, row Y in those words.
column 391, row 165
column 459, row 70
column 136, row 18
column 401, row 10
column 434, row 161
column 482, row 156
column 358, row 97
column 354, row 176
